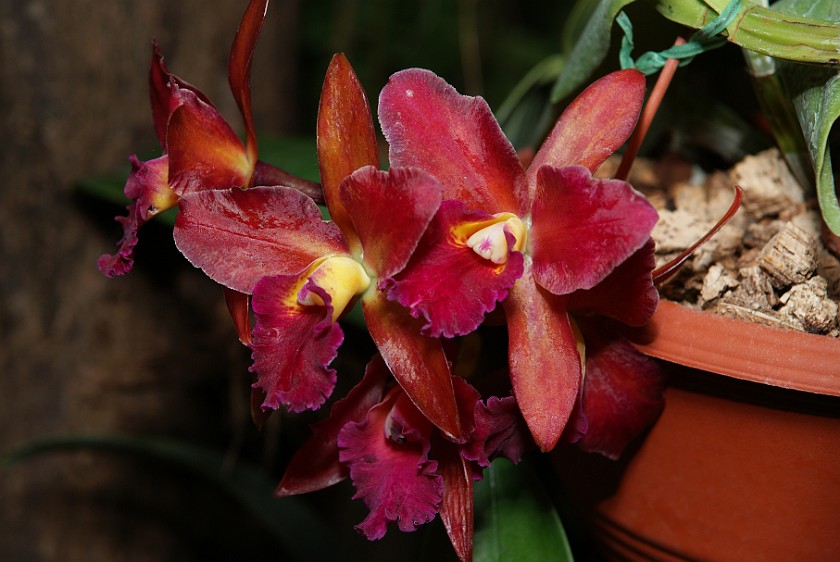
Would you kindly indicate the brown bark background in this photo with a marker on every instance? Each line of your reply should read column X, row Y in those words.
column 149, row 353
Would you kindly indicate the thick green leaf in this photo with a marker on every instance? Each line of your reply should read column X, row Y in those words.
column 590, row 47
column 815, row 91
column 514, row 518
column 290, row 521
column 764, row 30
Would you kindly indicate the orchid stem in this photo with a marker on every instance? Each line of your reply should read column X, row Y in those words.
column 651, row 107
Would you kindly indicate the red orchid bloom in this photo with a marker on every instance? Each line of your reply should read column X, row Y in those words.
column 303, row 273
column 550, row 237
column 200, row 150
column 404, row 469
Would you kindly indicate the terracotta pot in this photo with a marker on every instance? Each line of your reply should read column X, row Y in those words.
column 744, row 463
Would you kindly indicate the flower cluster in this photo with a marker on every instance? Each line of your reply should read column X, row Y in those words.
column 457, row 225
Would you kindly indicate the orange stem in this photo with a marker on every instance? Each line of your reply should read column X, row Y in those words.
column 651, row 107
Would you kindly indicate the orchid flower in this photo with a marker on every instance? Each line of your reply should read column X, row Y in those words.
column 200, row 150
column 303, row 273
column 549, row 238
column 405, row 469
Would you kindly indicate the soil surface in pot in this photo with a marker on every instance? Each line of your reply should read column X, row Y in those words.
column 767, row 265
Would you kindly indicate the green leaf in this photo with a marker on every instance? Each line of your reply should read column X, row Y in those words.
column 514, row 518
column 590, row 47
column 298, row 528
column 764, row 30
column 815, row 91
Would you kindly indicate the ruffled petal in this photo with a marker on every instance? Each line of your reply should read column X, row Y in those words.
column 204, row 152
column 148, row 190
column 627, row 294
column 447, row 283
column 396, row 480
column 239, row 236
column 315, row 465
column 429, row 125
column 545, row 363
column 239, row 69
column 623, row 392
column 293, row 344
column 346, row 138
column 390, row 211
column 594, row 125
column 583, row 228
column 417, row 362
column 500, row 431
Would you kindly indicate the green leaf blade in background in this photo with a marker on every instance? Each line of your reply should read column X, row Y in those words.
column 514, row 518
column 590, row 47
column 815, row 91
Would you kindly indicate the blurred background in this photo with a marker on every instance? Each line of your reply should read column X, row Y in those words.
column 154, row 353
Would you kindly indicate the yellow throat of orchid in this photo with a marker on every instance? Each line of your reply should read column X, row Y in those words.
column 341, row 277
column 488, row 240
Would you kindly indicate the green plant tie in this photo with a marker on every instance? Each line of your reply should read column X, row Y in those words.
column 704, row 39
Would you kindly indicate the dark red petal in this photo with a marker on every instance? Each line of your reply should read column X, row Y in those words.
column 448, row 284
column 161, row 94
column 315, row 465
column 239, row 308
column 418, row 363
column 268, row 175
column 239, row 236
column 500, row 431
column 429, row 125
column 627, row 294
column 583, row 228
column 346, row 138
column 397, row 481
column 457, row 508
column 204, row 152
column 623, row 392
column 545, row 365
column 148, row 189
column 239, row 68
column 594, row 125
column 390, row 211
column 292, row 344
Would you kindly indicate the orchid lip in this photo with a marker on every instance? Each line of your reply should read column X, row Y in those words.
column 340, row 277
column 490, row 241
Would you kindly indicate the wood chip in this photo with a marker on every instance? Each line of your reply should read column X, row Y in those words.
column 789, row 257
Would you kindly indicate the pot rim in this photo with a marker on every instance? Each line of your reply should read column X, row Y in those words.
column 740, row 349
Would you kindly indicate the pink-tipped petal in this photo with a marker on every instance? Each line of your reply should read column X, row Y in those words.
column 583, row 228
column 396, row 480
column 623, row 392
column 448, row 284
column 429, row 125
column 417, row 362
column 204, row 152
column 239, row 68
column 315, row 465
column 268, row 175
column 346, row 138
column 390, row 211
column 500, row 431
column 627, row 294
column 594, row 125
column 239, row 236
column 293, row 344
column 545, row 365
column 147, row 187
